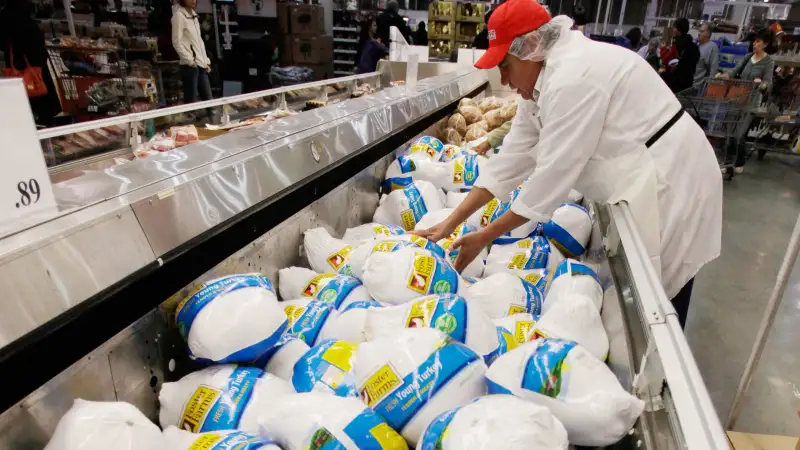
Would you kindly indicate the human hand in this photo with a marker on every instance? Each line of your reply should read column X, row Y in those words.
column 435, row 233
column 482, row 148
column 469, row 246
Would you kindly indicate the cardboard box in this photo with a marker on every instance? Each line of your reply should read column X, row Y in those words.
column 752, row 441
column 307, row 20
column 284, row 17
column 312, row 50
column 287, row 50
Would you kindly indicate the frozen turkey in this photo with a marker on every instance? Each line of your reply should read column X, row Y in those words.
column 177, row 439
column 231, row 319
column 573, row 277
column 388, row 244
column 408, row 273
column 453, row 199
column 523, row 256
column 493, row 210
column 369, row 231
column 569, row 228
column 104, row 425
column 411, row 377
column 476, row 267
column 462, row 172
column 341, row 290
column 503, row 294
column 327, row 367
column 513, row 331
column 576, row 318
column 282, row 358
column 317, row 420
column 447, row 313
column 496, row 422
column 325, row 253
column 348, row 324
column 576, row 387
column 450, row 152
column 427, row 145
column 226, row 397
column 405, row 207
column 409, row 168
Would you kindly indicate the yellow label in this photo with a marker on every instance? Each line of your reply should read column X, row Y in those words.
column 533, row 277
column 419, row 240
column 537, row 333
column 423, row 148
column 379, row 385
column 293, row 313
column 525, row 243
column 387, row 438
column 196, row 409
column 340, row 354
column 316, row 283
column 491, row 207
column 446, row 243
column 421, row 273
column 516, row 309
column 409, row 222
column 384, row 246
column 511, row 344
column 421, row 312
column 338, row 259
column 522, row 330
column 381, row 229
column 458, row 171
column 518, row 261
column 206, row 442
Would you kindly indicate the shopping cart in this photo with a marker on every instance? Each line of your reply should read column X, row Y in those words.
column 722, row 108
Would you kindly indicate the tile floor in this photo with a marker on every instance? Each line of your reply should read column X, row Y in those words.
column 761, row 207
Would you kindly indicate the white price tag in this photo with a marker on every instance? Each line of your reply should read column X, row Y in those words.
column 25, row 187
column 412, row 68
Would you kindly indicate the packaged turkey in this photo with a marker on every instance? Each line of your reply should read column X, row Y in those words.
column 411, row 377
column 576, row 387
column 358, row 258
column 503, row 294
column 326, row 253
column 327, row 367
column 408, row 168
column 104, row 425
column 575, row 318
column 496, row 422
column 471, row 113
column 491, row 103
column 523, row 257
column 427, row 145
column 452, row 137
column 475, row 267
column 448, row 313
column 569, row 229
column 338, row 289
column 458, row 123
column 317, row 420
column 495, row 118
column 474, row 133
column 513, row 331
column 225, row 397
column 462, row 172
column 408, row 273
column 493, row 210
column 405, row 207
column 231, row 319
column 451, row 152
column 369, row 231
column 573, row 277
column 176, row 439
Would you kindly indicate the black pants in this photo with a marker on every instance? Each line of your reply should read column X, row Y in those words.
column 195, row 81
column 681, row 302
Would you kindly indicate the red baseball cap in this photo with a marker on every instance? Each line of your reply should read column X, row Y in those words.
column 511, row 19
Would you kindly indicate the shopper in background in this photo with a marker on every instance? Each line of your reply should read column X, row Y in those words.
column 679, row 74
column 758, row 68
column 421, row 35
column 388, row 18
column 708, row 65
column 652, row 53
column 481, row 40
column 370, row 50
column 635, row 37
column 20, row 35
column 188, row 42
column 594, row 118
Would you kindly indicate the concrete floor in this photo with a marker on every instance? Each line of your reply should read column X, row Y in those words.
column 760, row 210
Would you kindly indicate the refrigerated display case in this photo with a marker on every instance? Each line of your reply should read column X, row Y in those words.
column 91, row 291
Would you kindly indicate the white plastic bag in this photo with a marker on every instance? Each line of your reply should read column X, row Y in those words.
column 575, row 197
column 341, row 290
column 327, row 367
column 576, row 387
column 176, row 439
column 409, row 168
column 461, row 173
column 575, row 318
column 503, row 294
column 405, row 207
column 569, row 229
column 369, row 231
column 447, row 313
column 231, row 319
column 415, row 375
column 226, row 397
column 496, row 422
column 104, row 425
column 521, row 257
column 408, row 273
column 453, row 199
column 316, row 420
column 325, row 253
column 348, row 324
column 573, row 277
column 284, row 356
column 427, row 145
column 358, row 258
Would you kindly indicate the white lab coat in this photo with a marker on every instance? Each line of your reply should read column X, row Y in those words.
column 187, row 38
column 596, row 107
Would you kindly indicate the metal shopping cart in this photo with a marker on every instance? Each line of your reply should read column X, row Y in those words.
column 723, row 109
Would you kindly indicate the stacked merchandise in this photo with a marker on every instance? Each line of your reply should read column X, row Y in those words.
column 381, row 344
column 475, row 119
column 441, row 29
column 470, row 20
column 304, row 43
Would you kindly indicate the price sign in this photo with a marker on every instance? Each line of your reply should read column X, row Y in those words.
column 24, row 182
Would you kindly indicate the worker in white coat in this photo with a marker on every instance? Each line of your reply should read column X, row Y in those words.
column 595, row 117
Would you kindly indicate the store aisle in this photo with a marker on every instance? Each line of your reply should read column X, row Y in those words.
column 760, row 210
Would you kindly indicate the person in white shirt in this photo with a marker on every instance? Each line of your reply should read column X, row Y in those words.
column 594, row 117
column 188, row 43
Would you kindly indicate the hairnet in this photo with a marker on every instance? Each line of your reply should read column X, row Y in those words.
column 535, row 45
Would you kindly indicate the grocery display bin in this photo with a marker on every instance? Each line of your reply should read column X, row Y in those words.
column 91, row 291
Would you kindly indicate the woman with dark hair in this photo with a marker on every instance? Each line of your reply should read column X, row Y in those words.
column 680, row 71
column 188, row 42
column 635, row 36
column 370, row 50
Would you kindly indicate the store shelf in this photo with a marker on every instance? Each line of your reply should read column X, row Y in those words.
column 346, row 40
column 343, row 61
column 345, row 51
column 343, row 72
column 347, row 29
column 470, row 19
column 442, row 18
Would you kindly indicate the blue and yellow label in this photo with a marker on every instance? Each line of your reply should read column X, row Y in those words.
column 434, row 436
column 561, row 238
column 416, row 207
column 214, row 409
column 328, row 366
column 396, row 183
column 533, row 257
column 331, row 288
column 398, row 400
column 369, row 431
column 446, row 313
column 428, row 145
column 305, row 322
column 432, row 274
column 544, row 369
column 362, row 304
column 236, row 440
column 533, row 297
column 574, row 268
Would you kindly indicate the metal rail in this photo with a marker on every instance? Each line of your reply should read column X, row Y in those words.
column 138, row 117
